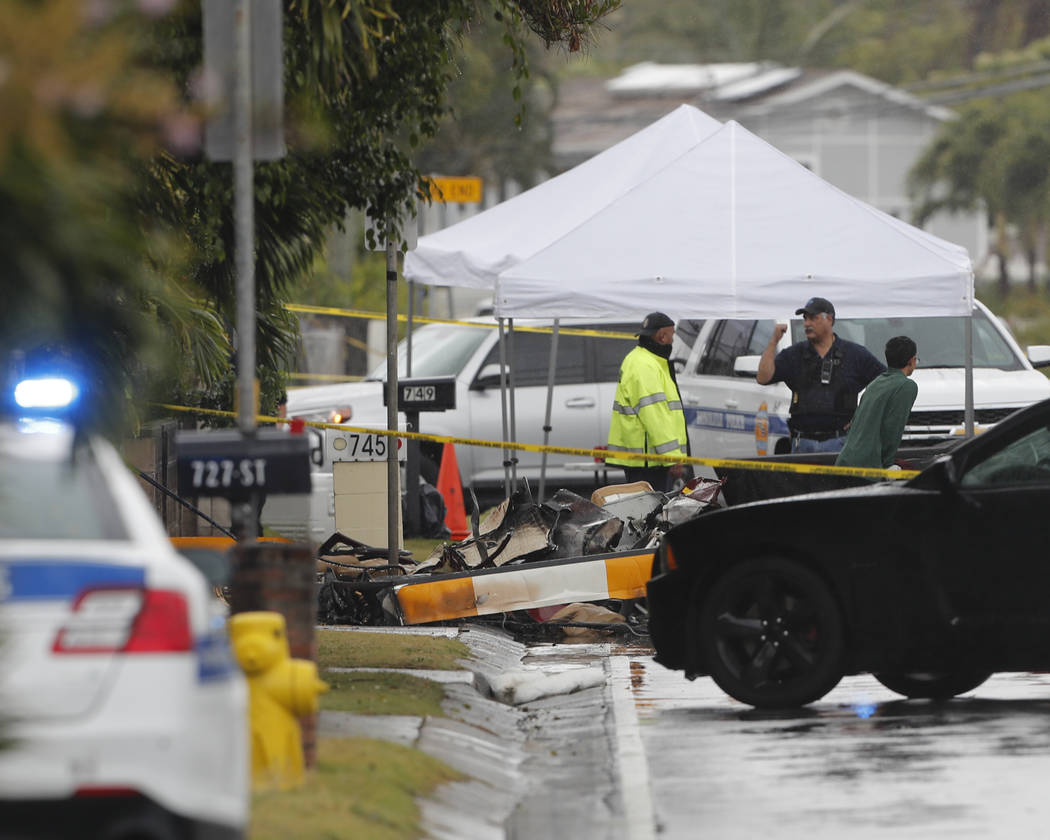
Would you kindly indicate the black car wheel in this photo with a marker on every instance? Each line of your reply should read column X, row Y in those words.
column 934, row 685
column 771, row 634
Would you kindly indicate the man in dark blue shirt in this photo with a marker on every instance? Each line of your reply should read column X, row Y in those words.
column 825, row 374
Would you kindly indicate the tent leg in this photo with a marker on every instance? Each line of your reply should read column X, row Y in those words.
column 513, row 409
column 411, row 316
column 547, row 415
column 503, row 405
column 968, row 377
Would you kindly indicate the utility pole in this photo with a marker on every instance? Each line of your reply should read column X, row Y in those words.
column 245, row 521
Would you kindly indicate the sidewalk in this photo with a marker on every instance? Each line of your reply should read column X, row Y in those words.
column 542, row 759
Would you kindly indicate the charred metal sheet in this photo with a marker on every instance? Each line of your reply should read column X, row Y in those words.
column 580, row 527
column 515, row 531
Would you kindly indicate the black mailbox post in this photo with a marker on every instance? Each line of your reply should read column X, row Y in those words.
column 224, row 463
column 437, row 393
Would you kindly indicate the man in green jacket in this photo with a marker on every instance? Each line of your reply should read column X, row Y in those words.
column 874, row 435
column 647, row 409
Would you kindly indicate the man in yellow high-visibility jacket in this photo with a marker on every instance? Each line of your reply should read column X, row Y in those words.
column 647, row 410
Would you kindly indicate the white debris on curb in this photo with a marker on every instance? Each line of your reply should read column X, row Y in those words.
column 524, row 686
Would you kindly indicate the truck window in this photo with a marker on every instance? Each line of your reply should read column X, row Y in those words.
column 760, row 338
column 686, row 331
column 941, row 341
column 532, row 359
column 610, row 351
column 731, row 339
column 437, row 350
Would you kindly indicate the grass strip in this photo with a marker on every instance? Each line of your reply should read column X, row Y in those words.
column 381, row 693
column 360, row 788
column 346, row 649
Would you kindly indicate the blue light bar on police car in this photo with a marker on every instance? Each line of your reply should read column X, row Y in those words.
column 45, row 392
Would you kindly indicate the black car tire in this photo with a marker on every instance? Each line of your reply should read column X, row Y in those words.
column 772, row 634
column 933, row 685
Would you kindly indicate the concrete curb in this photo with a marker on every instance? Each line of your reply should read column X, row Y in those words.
column 539, row 768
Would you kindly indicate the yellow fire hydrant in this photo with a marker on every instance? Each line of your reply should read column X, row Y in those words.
column 281, row 690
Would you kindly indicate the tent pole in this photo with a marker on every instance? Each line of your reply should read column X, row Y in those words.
column 513, row 410
column 411, row 315
column 968, row 377
column 503, row 405
column 547, row 415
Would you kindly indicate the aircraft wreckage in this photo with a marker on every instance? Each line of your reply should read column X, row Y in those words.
column 568, row 561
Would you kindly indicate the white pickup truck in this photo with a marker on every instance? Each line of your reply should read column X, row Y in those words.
column 585, row 381
column 730, row 415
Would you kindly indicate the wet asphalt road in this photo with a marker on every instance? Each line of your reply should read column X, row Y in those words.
column 861, row 763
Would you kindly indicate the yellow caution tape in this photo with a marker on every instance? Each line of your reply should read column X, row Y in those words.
column 381, row 316
column 727, row 463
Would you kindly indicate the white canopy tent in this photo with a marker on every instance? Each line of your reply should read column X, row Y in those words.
column 733, row 228
column 702, row 219
column 473, row 252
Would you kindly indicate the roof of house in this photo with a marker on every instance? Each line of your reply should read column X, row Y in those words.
column 592, row 114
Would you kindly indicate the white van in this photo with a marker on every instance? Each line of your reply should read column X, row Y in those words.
column 730, row 415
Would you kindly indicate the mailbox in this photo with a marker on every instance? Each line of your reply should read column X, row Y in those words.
column 436, row 393
column 222, row 462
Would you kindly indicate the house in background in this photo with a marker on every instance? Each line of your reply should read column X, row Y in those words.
column 857, row 133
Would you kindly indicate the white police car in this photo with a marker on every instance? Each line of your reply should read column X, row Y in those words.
column 730, row 415
column 122, row 711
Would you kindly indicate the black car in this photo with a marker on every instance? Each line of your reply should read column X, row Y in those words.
column 931, row 584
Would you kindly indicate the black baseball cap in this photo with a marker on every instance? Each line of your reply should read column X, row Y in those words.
column 815, row 305
column 653, row 323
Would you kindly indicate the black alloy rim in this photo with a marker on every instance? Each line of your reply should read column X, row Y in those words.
column 769, row 633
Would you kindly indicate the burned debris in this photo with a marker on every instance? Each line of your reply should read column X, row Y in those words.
column 541, row 562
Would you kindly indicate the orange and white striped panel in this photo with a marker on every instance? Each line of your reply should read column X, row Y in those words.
column 526, row 587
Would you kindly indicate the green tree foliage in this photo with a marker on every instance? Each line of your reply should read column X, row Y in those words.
column 996, row 155
column 898, row 41
column 365, row 83
column 75, row 268
column 491, row 130
column 118, row 236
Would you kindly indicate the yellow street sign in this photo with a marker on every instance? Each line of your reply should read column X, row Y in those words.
column 464, row 190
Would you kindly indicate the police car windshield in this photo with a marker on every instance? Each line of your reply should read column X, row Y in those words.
column 437, row 350
column 941, row 341
column 55, row 498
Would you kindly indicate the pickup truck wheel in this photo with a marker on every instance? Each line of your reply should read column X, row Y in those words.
column 772, row 634
column 933, row 685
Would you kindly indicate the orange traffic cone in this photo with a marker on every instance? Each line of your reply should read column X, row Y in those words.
column 451, row 490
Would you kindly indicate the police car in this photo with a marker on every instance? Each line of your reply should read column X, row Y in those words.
column 122, row 711
column 729, row 415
